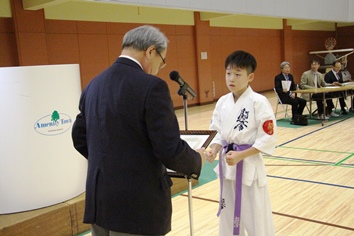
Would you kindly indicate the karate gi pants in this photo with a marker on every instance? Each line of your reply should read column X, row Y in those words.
column 256, row 212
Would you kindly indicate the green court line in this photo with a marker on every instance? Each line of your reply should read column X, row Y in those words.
column 343, row 160
column 339, row 163
column 309, row 149
column 299, row 160
column 319, row 163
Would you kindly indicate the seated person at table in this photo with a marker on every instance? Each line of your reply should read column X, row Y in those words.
column 347, row 78
column 285, row 95
column 312, row 79
column 334, row 77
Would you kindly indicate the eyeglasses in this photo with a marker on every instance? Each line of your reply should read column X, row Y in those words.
column 163, row 60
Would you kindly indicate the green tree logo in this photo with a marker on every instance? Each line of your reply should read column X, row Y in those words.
column 55, row 117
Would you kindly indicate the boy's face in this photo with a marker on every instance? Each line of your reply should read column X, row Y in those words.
column 237, row 79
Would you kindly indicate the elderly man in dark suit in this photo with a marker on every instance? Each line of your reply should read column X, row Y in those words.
column 128, row 131
column 334, row 77
column 285, row 95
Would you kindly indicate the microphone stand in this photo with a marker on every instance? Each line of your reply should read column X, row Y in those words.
column 183, row 92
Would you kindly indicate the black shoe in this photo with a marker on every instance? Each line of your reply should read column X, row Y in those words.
column 344, row 112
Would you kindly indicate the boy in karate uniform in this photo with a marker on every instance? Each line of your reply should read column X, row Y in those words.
column 245, row 124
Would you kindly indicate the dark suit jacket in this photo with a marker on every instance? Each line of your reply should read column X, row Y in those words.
column 128, row 131
column 330, row 77
column 279, row 88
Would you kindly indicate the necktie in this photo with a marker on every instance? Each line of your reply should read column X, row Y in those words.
column 316, row 81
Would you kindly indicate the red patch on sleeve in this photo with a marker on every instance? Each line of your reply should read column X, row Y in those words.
column 268, row 127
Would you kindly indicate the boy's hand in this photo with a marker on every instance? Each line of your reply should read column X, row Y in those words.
column 210, row 156
column 232, row 158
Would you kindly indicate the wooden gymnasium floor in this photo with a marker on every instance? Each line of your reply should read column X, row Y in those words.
column 310, row 176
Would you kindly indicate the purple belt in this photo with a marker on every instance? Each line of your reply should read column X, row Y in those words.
column 238, row 192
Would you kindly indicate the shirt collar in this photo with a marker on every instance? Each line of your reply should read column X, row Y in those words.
column 133, row 59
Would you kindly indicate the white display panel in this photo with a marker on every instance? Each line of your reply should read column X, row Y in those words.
column 39, row 166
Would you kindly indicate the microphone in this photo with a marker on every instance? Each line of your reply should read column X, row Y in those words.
column 174, row 75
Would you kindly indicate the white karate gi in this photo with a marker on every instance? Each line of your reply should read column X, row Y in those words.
column 248, row 121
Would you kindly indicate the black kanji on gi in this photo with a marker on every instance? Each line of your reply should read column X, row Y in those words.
column 242, row 120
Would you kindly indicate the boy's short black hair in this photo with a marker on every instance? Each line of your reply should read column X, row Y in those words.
column 241, row 59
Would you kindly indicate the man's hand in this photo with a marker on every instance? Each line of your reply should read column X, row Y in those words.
column 201, row 151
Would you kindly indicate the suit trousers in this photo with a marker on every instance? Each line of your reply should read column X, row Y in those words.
column 297, row 104
column 341, row 101
column 99, row 231
column 318, row 97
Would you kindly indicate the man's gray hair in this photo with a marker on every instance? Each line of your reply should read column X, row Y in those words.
column 142, row 37
column 283, row 64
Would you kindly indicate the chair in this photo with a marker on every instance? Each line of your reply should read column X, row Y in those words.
column 284, row 106
column 345, row 96
column 306, row 96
